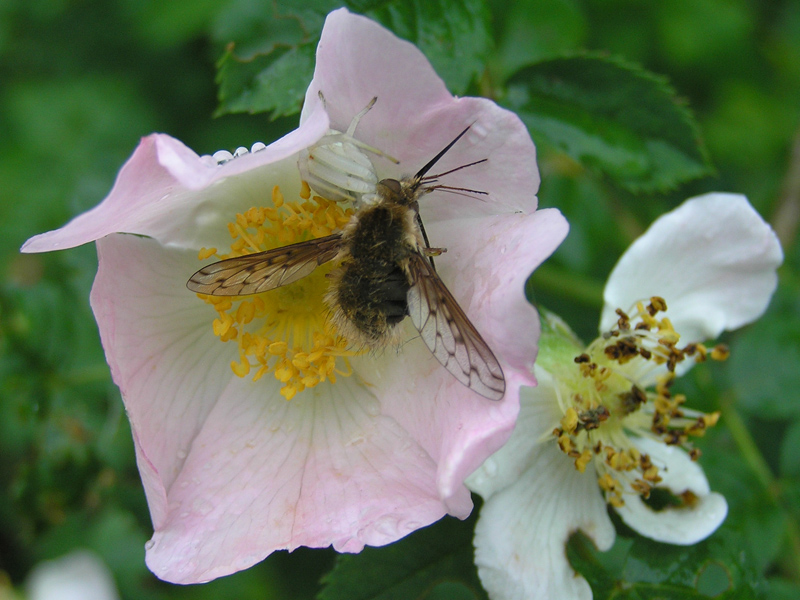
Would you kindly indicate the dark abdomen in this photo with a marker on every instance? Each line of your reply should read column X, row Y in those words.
column 372, row 284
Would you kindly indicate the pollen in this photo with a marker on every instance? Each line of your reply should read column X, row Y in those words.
column 608, row 400
column 284, row 332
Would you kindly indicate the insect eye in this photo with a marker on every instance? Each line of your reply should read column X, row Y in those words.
column 392, row 185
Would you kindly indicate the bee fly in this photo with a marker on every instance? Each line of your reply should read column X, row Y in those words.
column 386, row 273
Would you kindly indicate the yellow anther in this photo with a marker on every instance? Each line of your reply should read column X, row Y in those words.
column 245, row 312
column 569, row 421
column 305, row 190
column 720, row 352
column 285, row 371
column 583, row 460
column 206, row 253
column 278, row 348
column 277, row 197
column 565, row 443
column 222, row 325
column 241, row 367
column 310, row 381
column 642, row 488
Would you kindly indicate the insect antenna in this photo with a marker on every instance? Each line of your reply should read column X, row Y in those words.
column 431, row 178
column 466, row 192
column 436, row 158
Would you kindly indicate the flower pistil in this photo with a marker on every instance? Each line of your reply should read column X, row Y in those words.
column 606, row 404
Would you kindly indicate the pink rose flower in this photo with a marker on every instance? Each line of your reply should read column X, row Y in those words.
column 231, row 469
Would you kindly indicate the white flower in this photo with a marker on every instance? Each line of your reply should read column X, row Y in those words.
column 602, row 426
column 80, row 575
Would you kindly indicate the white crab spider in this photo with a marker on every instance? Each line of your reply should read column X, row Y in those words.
column 337, row 167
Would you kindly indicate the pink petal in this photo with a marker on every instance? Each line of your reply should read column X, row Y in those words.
column 415, row 117
column 713, row 259
column 167, row 192
column 163, row 356
column 266, row 474
column 488, row 262
column 232, row 471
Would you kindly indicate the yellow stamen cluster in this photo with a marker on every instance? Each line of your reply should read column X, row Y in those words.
column 284, row 331
column 603, row 402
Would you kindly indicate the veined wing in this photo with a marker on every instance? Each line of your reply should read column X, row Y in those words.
column 264, row 271
column 449, row 334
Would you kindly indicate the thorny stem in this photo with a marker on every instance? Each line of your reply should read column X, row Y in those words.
column 786, row 217
column 755, row 460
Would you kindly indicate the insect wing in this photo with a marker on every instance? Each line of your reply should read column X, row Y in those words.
column 264, row 271
column 449, row 334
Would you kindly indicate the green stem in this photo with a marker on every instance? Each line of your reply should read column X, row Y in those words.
column 564, row 283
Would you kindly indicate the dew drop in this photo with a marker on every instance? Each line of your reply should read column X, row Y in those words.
column 181, row 454
column 148, row 545
column 410, row 526
column 222, row 156
column 479, row 130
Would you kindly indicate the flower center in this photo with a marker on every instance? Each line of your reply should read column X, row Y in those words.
column 604, row 398
column 284, row 331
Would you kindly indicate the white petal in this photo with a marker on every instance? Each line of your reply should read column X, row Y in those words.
column 80, row 575
column 713, row 259
column 538, row 415
column 684, row 526
column 522, row 531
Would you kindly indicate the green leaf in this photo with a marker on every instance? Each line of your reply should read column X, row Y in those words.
column 432, row 563
column 274, row 82
column 613, row 116
column 531, row 30
column 764, row 359
column 639, row 568
column 453, row 34
column 269, row 60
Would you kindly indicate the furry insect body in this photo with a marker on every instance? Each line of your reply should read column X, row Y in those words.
column 368, row 292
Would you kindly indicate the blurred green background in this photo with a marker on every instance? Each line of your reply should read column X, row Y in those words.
column 82, row 80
